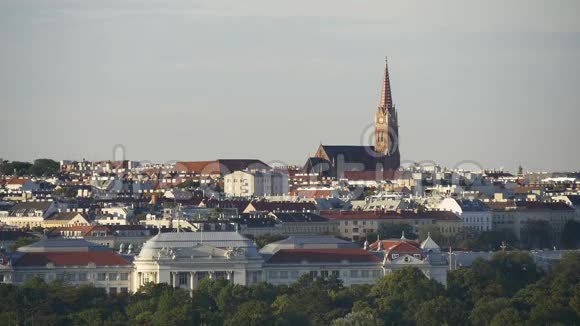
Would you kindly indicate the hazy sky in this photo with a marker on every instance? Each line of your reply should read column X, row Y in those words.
column 497, row 82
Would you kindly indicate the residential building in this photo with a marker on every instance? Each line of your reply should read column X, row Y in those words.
column 255, row 184
column 63, row 219
column 474, row 214
column 29, row 214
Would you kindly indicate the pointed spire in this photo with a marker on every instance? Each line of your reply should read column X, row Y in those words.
column 386, row 97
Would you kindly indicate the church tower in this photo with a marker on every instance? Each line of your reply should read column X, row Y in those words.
column 386, row 125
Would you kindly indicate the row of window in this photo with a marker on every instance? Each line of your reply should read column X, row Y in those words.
column 365, row 273
column 72, row 277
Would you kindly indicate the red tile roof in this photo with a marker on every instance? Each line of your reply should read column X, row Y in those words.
column 291, row 256
column 17, row 181
column 391, row 244
column 71, row 259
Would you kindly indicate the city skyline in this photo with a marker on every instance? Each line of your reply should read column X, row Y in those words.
column 199, row 81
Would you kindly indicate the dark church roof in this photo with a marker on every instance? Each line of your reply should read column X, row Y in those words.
column 351, row 158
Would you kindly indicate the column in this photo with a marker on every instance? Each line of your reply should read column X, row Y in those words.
column 174, row 279
column 211, row 276
column 192, row 280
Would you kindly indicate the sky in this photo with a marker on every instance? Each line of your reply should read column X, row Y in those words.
column 491, row 82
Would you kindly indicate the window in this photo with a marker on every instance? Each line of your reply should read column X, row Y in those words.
column 82, row 277
column 284, row 274
column 336, row 274
column 395, row 256
column 124, row 290
column 101, row 276
column 112, row 291
column 294, row 274
column 364, row 273
column 182, row 278
column 418, row 256
column 124, row 276
column 354, row 273
column 313, row 274
column 324, row 274
column 273, row 274
column 112, row 276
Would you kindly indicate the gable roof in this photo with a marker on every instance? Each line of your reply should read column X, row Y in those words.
column 65, row 216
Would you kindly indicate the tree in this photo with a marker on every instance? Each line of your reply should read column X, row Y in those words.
column 395, row 231
column 508, row 316
column 486, row 309
column 189, row 184
column 265, row 239
column 252, row 313
column 44, row 167
column 359, row 318
column 399, row 293
column 440, row 311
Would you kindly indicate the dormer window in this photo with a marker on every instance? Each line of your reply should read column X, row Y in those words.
column 395, row 256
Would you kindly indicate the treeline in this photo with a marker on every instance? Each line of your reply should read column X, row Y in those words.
column 40, row 167
column 507, row 290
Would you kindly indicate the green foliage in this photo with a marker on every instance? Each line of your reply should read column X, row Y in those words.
column 440, row 311
column 391, row 231
column 506, row 290
column 44, row 167
column 66, row 192
column 265, row 239
column 189, row 184
column 41, row 167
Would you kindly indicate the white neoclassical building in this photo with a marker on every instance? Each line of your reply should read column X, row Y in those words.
column 182, row 259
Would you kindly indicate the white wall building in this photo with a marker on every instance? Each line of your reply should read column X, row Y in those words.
column 255, row 183
column 474, row 214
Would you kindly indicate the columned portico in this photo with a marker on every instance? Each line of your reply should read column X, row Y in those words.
column 182, row 260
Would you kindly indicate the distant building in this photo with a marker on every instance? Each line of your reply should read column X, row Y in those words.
column 474, row 214
column 358, row 224
column 64, row 219
column 255, row 184
column 76, row 262
column 29, row 214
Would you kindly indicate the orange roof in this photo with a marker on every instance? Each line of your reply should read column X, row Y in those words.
column 393, row 244
column 17, row 181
